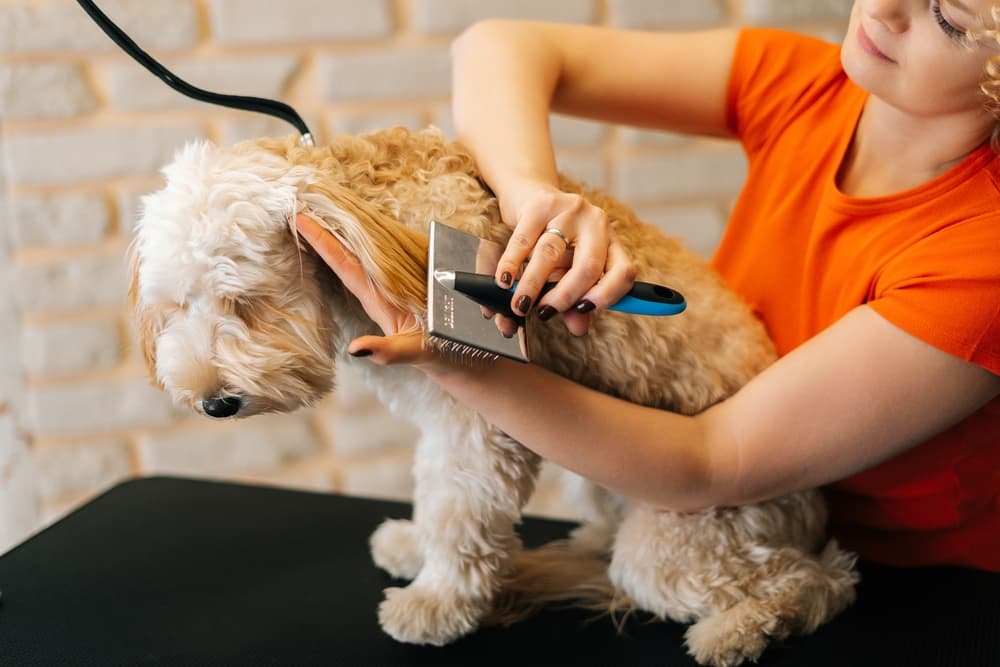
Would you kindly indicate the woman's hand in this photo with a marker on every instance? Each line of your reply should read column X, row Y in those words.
column 558, row 232
column 403, row 339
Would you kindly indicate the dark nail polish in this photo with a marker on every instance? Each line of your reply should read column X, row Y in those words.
column 505, row 278
column 361, row 353
column 585, row 306
column 545, row 313
column 524, row 304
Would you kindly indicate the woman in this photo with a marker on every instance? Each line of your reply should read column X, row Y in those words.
column 867, row 238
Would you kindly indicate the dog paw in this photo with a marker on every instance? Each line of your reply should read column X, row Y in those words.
column 417, row 616
column 395, row 547
column 712, row 641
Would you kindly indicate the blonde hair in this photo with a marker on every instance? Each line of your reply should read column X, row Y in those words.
column 991, row 85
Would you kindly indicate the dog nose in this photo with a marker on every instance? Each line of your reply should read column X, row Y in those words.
column 221, row 407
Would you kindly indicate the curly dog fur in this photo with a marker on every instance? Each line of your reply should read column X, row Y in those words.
column 231, row 307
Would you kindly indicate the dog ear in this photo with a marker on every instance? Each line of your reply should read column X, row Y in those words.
column 148, row 323
column 392, row 255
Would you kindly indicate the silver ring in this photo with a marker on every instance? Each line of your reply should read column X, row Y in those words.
column 553, row 230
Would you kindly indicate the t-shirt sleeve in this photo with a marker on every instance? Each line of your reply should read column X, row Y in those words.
column 945, row 290
column 773, row 74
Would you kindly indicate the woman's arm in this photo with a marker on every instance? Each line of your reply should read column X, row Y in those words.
column 506, row 77
column 855, row 395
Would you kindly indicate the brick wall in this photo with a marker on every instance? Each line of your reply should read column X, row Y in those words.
column 85, row 130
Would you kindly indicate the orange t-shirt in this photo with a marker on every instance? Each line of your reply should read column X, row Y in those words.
column 803, row 254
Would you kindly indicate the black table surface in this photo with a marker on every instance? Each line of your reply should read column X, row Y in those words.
column 166, row 571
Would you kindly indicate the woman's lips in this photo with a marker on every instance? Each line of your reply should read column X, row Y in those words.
column 869, row 46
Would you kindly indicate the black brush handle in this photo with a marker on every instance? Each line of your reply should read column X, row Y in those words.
column 643, row 299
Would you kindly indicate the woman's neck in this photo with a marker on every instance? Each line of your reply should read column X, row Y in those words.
column 892, row 151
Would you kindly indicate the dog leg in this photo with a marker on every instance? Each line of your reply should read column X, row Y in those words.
column 395, row 547
column 471, row 485
column 795, row 593
column 741, row 592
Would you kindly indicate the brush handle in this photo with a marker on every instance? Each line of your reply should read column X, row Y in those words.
column 642, row 299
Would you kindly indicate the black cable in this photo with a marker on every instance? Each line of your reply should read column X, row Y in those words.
column 260, row 104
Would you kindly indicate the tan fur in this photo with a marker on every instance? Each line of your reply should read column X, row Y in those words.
column 743, row 575
column 145, row 321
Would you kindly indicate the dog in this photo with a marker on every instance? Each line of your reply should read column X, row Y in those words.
column 235, row 317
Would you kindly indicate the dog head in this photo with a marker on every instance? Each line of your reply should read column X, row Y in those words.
column 230, row 313
column 234, row 315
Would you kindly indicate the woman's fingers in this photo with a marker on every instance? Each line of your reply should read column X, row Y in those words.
column 404, row 348
column 344, row 264
column 617, row 281
column 519, row 247
column 546, row 227
column 589, row 258
column 403, row 342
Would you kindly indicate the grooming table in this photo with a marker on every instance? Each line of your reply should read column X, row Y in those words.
column 164, row 571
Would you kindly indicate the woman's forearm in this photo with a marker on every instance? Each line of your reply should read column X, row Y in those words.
column 652, row 455
column 503, row 79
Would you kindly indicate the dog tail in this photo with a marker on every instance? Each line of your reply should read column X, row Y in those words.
column 559, row 574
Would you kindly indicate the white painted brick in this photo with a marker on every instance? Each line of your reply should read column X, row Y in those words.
column 44, row 158
column 782, row 11
column 85, row 280
column 365, row 122
column 700, row 172
column 385, row 74
column 53, row 25
column 301, row 480
column 369, row 429
column 132, row 88
column 258, row 443
column 11, row 371
column 294, row 21
column 44, row 91
column 585, row 167
column 452, row 16
column 699, row 225
column 548, row 502
column 243, row 126
column 441, row 119
column 575, row 132
column 128, row 208
column 53, row 511
column 651, row 14
column 387, row 477
column 634, row 136
column 95, row 406
column 56, row 220
column 830, row 34
column 81, row 468
column 551, row 498
column 11, row 379
column 566, row 131
column 19, row 509
column 550, row 474
column 70, row 347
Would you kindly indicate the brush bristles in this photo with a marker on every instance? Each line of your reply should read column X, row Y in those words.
column 460, row 353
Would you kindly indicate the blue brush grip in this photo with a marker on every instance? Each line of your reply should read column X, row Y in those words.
column 642, row 299
column 635, row 306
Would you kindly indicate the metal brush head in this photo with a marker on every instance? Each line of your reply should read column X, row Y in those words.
column 456, row 326
column 460, row 353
